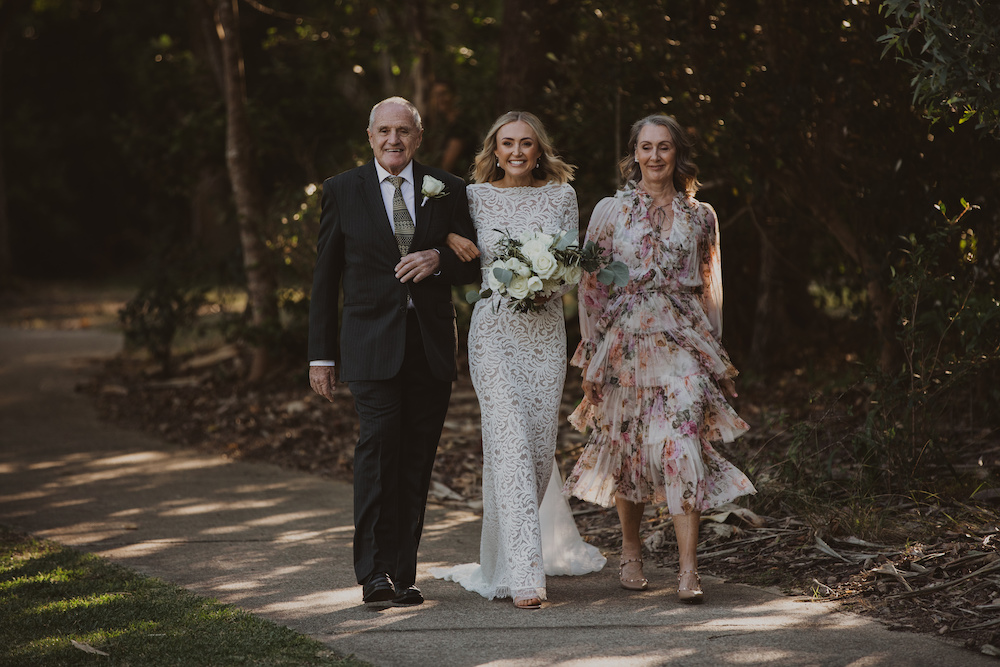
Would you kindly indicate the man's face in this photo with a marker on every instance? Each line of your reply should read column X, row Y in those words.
column 394, row 137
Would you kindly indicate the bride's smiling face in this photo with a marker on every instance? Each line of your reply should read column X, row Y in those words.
column 517, row 149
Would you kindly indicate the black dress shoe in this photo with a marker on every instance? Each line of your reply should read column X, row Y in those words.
column 408, row 596
column 378, row 589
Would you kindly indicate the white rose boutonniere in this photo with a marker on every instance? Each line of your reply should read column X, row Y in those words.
column 432, row 188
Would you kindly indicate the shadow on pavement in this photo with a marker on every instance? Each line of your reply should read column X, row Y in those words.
column 278, row 543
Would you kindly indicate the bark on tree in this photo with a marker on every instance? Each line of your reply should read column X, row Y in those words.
column 261, row 281
column 6, row 258
column 420, row 74
column 880, row 299
column 528, row 31
column 764, row 314
column 8, row 11
column 826, row 186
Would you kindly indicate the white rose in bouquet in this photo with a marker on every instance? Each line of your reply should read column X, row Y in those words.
column 518, row 288
column 535, row 244
column 544, row 264
column 557, row 275
column 491, row 278
column 535, row 284
column 572, row 275
column 518, row 267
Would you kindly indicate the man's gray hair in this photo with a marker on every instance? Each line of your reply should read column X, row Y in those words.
column 396, row 100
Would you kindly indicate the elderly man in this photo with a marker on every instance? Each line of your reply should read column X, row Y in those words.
column 382, row 240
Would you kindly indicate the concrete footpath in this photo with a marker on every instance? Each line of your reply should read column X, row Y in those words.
column 278, row 544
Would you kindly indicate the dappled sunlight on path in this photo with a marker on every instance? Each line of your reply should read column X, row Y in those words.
column 278, row 543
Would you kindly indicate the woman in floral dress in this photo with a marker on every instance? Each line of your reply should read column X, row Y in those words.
column 654, row 369
column 518, row 365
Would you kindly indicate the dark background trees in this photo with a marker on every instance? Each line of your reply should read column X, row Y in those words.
column 117, row 120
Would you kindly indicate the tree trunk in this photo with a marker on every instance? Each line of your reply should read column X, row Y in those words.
column 420, row 75
column 526, row 26
column 383, row 24
column 261, row 282
column 8, row 11
column 763, row 320
column 880, row 300
column 6, row 258
column 531, row 31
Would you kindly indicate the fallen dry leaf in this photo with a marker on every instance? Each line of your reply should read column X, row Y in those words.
column 86, row 648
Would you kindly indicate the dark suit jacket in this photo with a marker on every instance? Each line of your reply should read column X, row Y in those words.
column 357, row 251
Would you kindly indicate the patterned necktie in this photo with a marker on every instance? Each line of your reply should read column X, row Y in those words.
column 401, row 220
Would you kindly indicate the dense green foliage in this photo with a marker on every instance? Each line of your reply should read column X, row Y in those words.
column 949, row 330
column 823, row 173
column 51, row 597
column 953, row 48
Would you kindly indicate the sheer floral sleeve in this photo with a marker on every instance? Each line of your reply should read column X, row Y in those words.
column 711, row 270
column 593, row 296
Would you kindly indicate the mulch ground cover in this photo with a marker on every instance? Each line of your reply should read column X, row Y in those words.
column 933, row 566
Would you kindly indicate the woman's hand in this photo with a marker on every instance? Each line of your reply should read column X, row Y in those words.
column 464, row 249
column 728, row 387
column 592, row 391
column 542, row 300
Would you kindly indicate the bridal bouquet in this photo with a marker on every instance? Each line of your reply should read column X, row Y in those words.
column 538, row 264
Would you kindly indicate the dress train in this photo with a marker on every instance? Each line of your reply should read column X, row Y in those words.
column 563, row 550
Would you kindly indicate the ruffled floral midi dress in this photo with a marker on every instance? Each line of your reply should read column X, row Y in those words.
column 654, row 348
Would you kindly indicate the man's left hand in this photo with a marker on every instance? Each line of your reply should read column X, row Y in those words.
column 418, row 265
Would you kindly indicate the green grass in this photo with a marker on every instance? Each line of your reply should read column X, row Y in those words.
column 51, row 596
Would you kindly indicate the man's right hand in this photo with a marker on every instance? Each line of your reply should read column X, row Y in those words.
column 323, row 380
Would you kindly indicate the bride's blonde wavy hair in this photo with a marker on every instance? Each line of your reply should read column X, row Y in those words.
column 551, row 167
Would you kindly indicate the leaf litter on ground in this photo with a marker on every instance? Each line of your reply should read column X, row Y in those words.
column 945, row 581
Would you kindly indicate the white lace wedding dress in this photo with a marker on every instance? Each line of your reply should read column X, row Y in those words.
column 518, row 367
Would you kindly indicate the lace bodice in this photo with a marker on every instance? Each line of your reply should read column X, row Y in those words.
column 550, row 208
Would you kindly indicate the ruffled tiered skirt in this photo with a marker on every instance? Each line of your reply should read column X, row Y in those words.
column 661, row 409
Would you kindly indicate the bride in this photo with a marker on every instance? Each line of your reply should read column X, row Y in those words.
column 518, row 367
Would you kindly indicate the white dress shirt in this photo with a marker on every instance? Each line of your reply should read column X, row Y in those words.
column 389, row 190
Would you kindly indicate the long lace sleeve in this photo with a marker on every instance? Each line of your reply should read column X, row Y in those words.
column 711, row 271
column 569, row 221
column 592, row 295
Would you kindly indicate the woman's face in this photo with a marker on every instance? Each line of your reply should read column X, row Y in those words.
column 517, row 149
column 655, row 153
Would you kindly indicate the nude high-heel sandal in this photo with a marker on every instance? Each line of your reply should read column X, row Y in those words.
column 690, row 595
column 639, row 584
column 527, row 603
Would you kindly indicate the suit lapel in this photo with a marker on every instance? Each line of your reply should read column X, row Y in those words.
column 371, row 195
column 423, row 211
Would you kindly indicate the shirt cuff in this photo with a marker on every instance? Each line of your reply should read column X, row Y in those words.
column 322, row 362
